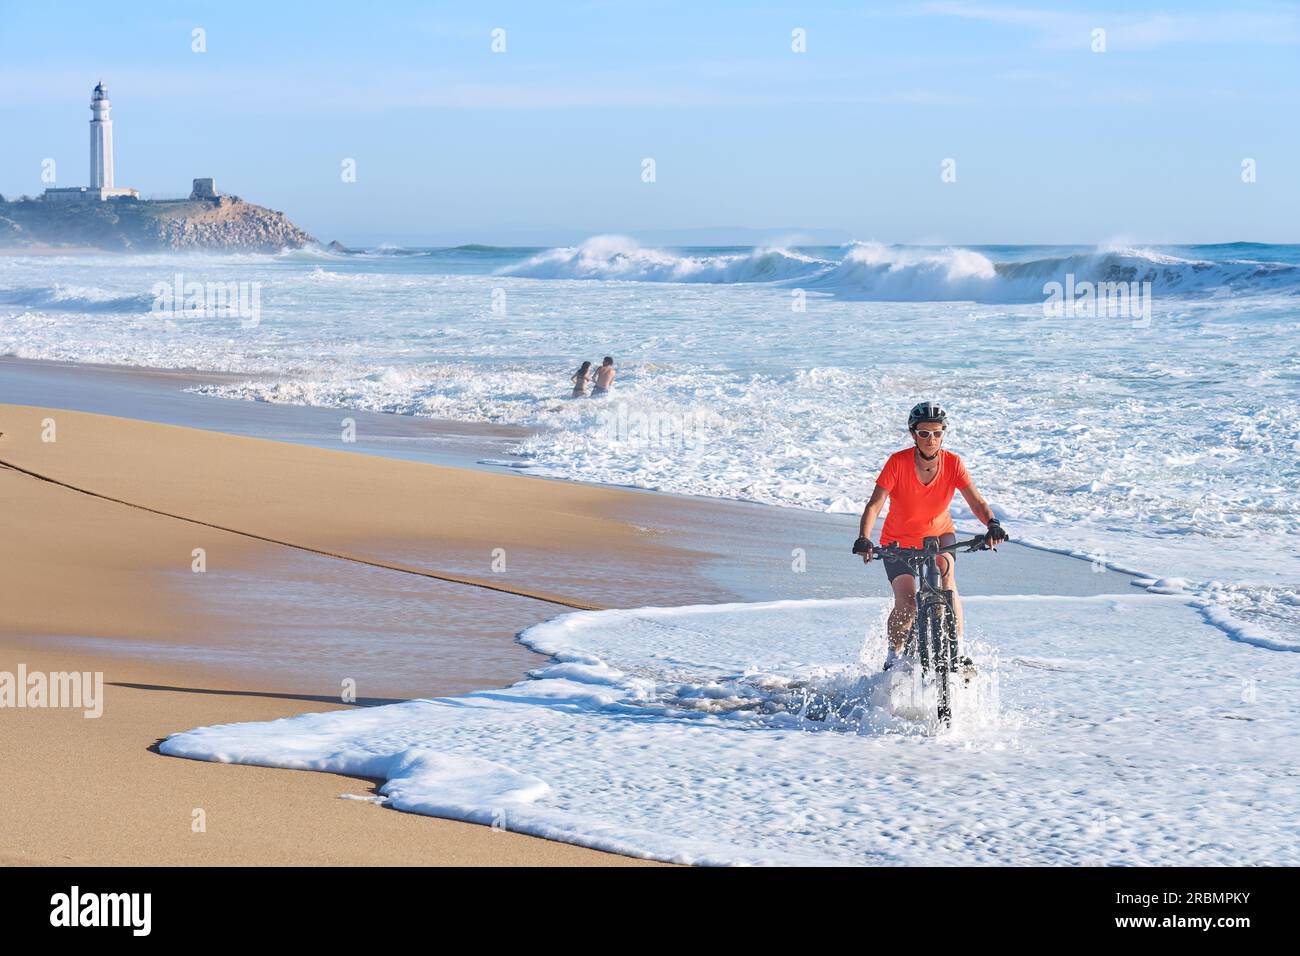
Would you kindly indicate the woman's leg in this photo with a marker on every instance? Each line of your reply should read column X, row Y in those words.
column 900, row 618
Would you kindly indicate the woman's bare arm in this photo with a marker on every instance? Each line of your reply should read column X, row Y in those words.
column 978, row 506
column 872, row 511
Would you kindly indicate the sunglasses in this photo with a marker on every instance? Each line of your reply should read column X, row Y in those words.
column 924, row 433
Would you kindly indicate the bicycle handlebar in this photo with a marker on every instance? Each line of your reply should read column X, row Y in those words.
column 977, row 543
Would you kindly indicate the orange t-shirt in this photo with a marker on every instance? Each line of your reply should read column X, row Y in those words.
column 918, row 511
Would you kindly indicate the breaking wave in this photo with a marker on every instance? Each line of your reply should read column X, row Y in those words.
column 879, row 272
column 615, row 257
column 71, row 298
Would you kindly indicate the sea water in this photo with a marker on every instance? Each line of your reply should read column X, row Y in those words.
column 1166, row 443
column 1137, row 728
column 1103, row 730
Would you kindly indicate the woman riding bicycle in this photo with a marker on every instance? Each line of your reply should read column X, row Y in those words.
column 919, row 483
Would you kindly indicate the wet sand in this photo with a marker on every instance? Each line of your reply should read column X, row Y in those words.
column 267, row 630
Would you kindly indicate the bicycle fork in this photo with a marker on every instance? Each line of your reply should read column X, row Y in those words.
column 935, row 631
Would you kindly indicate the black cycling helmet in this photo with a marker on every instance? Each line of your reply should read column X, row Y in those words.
column 927, row 412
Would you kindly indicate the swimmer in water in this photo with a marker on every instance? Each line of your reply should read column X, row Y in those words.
column 580, row 378
column 604, row 379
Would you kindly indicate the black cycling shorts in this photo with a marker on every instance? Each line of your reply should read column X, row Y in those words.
column 894, row 567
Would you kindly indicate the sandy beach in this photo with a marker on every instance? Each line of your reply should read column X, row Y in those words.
column 92, row 791
column 320, row 565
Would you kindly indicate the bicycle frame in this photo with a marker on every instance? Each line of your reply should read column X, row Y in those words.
column 933, row 637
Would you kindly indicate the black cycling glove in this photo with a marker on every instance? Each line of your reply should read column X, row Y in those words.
column 995, row 534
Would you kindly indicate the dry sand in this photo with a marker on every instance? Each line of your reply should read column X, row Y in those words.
column 93, row 791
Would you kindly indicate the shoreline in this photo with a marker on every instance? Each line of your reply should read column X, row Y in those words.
column 107, row 573
column 93, row 584
column 122, row 803
column 711, row 523
column 160, row 395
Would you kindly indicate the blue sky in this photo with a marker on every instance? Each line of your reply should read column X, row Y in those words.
column 752, row 142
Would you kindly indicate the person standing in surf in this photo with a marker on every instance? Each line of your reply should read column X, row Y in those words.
column 919, row 483
column 604, row 380
column 580, row 378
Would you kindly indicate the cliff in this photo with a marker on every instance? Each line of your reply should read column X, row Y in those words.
column 133, row 225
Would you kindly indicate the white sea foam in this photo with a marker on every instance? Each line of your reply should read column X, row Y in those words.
column 688, row 734
column 890, row 273
column 617, row 257
column 877, row 271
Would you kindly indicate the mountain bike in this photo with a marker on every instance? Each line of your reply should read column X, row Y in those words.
column 933, row 637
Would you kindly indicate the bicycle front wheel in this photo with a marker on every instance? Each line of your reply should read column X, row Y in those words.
column 937, row 637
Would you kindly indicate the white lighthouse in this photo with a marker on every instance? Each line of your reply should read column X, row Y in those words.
column 101, row 139
column 101, row 158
